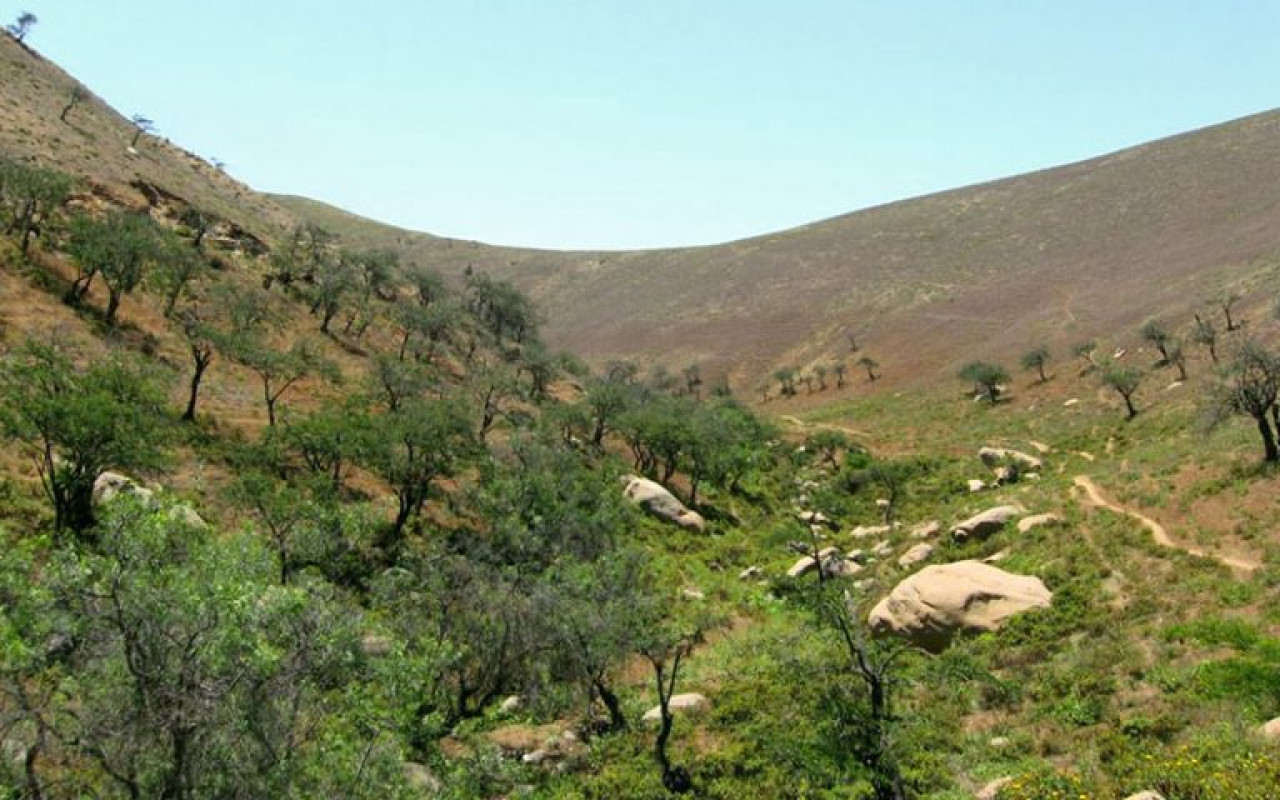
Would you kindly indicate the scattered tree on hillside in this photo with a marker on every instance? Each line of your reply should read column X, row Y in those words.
column 141, row 125
column 870, row 365
column 200, row 337
column 852, row 339
column 77, row 95
column 1155, row 332
column 28, row 197
column 1124, row 381
column 1177, row 357
column 986, row 379
column 279, row 370
column 300, row 257
column 1036, row 359
column 1086, row 351
column 198, row 223
column 21, row 26
column 78, row 422
column 1227, row 302
column 118, row 247
column 820, row 373
column 1207, row 335
column 692, row 375
column 786, row 378
column 176, row 269
column 839, row 369
column 666, row 648
column 1249, row 386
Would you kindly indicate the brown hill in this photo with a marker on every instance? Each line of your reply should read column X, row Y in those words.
column 1087, row 250
column 1081, row 251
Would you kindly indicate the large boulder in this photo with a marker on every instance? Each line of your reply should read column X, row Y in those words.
column 679, row 704
column 995, row 456
column 930, row 607
column 656, row 500
column 983, row 525
column 1270, row 730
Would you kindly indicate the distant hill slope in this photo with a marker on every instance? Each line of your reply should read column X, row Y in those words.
column 93, row 144
column 1057, row 256
column 1081, row 251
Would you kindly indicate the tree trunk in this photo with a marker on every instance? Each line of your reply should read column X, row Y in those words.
column 201, row 365
column 617, row 720
column 1128, row 404
column 1270, row 453
column 113, row 305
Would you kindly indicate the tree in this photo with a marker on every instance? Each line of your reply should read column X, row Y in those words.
column 1250, row 386
column 119, row 248
column 77, row 95
column 423, row 441
column 1035, row 359
column 20, row 27
column 840, row 371
column 1205, row 334
column 1085, row 350
column 1124, row 381
column 1177, row 357
column 1227, row 301
column 277, row 370
column 80, row 422
column 300, row 257
column 28, row 197
column 200, row 338
column 666, row 647
column 198, row 224
column 1155, row 332
column 786, row 378
column 329, row 440
column 986, row 379
column 176, row 268
column 692, row 380
column 870, row 365
column 820, row 373
column 141, row 125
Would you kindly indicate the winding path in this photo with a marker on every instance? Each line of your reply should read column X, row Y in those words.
column 1096, row 497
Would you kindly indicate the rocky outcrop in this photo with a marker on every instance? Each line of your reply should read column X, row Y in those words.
column 1270, row 730
column 992, row 790
column 657, row 501
column 111, row 485
column 930, row 607
column 983, row 525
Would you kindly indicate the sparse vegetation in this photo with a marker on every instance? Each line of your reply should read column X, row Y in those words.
column 987, row 379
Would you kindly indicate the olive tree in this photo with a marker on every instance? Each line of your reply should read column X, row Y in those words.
column 1124, row 381
column 1035, row 359
column 28, row 198
column 120, row 247
column 21, row 26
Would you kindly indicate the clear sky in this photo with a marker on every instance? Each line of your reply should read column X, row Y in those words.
column 644, row 123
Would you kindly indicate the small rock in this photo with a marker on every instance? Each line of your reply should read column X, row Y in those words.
column 993, row 788
column 1270, row 730
column 1035, row 521
column 993, row 456
column 511, row 705
column 749, row 573
column 1146, row 795
column 420, row 778
column 927, row 530
column 915, row 555
column 1069, row 403
column 692, row 594
column 982, row 525
column 1006, row 475
column 536, row 757
column 1172, row 386
column 827, row 552
column 996, row 557
column 375, row 645
column 882, row 549
column 691, row 702
column 1119, row 353
column 858, row 556
column 976, row 485
column 864, row 531
column 1000, row 741
column 802, row 567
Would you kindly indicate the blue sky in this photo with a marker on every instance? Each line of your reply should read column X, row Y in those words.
column 656, row 122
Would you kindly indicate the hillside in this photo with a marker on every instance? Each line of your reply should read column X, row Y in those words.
column 1056, row 256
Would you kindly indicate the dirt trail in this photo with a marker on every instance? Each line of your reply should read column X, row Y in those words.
column 1097, row 498
column 802, row 425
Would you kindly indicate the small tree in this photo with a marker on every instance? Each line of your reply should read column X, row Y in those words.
column 1227, row 302
column 20, row 27
column 28, row 198
column 820, row 372
column 1086, row 350
column 986, row 379
column 786, row 378
column 177, row 267
column 666, row 647
column 200, row 338
column 1250, row 386
column 1155, row 332
column 119, row 248
column 840, row 371
column 1177, row 357
column 79, row 422
column 1205, row 334
column 870, row 365
column 141, row 125
column 1035, row 359
column 77, row 95
column 279, row 370
column 1124, row 381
